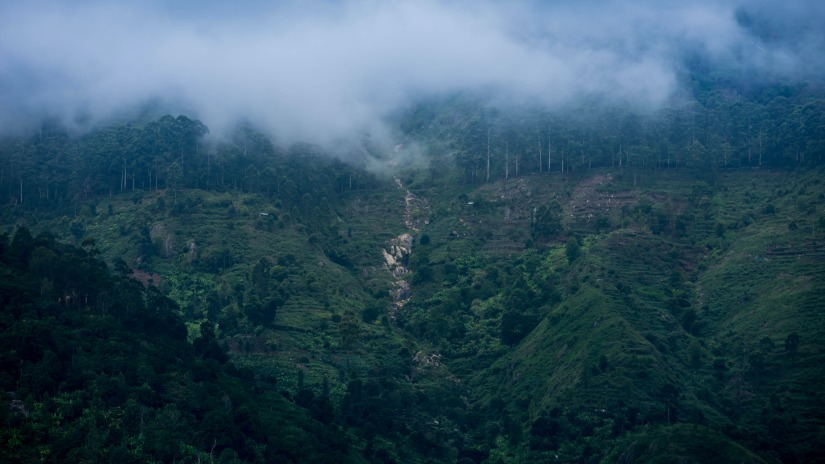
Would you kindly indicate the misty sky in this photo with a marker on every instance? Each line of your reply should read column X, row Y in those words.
column 320, row 70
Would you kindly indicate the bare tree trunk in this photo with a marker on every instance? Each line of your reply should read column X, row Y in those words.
column 725, row 150
column 507, row 160
column 760, row 148
column 182, row 170
column 749, row 141
column 621, row 167
column 562, row 160
column 488, row 154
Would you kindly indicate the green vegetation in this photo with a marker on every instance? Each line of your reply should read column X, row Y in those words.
column 97, row 368
column 657, row 298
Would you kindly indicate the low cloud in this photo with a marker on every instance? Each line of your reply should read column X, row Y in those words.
column 321, row 71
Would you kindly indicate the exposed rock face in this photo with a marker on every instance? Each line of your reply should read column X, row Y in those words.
column 416, row 211
column 159, row 233
column 193, row 251
column 397, row 254
column 401, row 294
column 422, row 359
column 395, row 259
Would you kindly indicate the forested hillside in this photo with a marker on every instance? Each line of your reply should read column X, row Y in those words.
column 529, row 235
column 96, row 368
column 615, row 287
column 49, row 170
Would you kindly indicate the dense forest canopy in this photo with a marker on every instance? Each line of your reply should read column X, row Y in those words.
column 100, row 370
column 51, row 169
